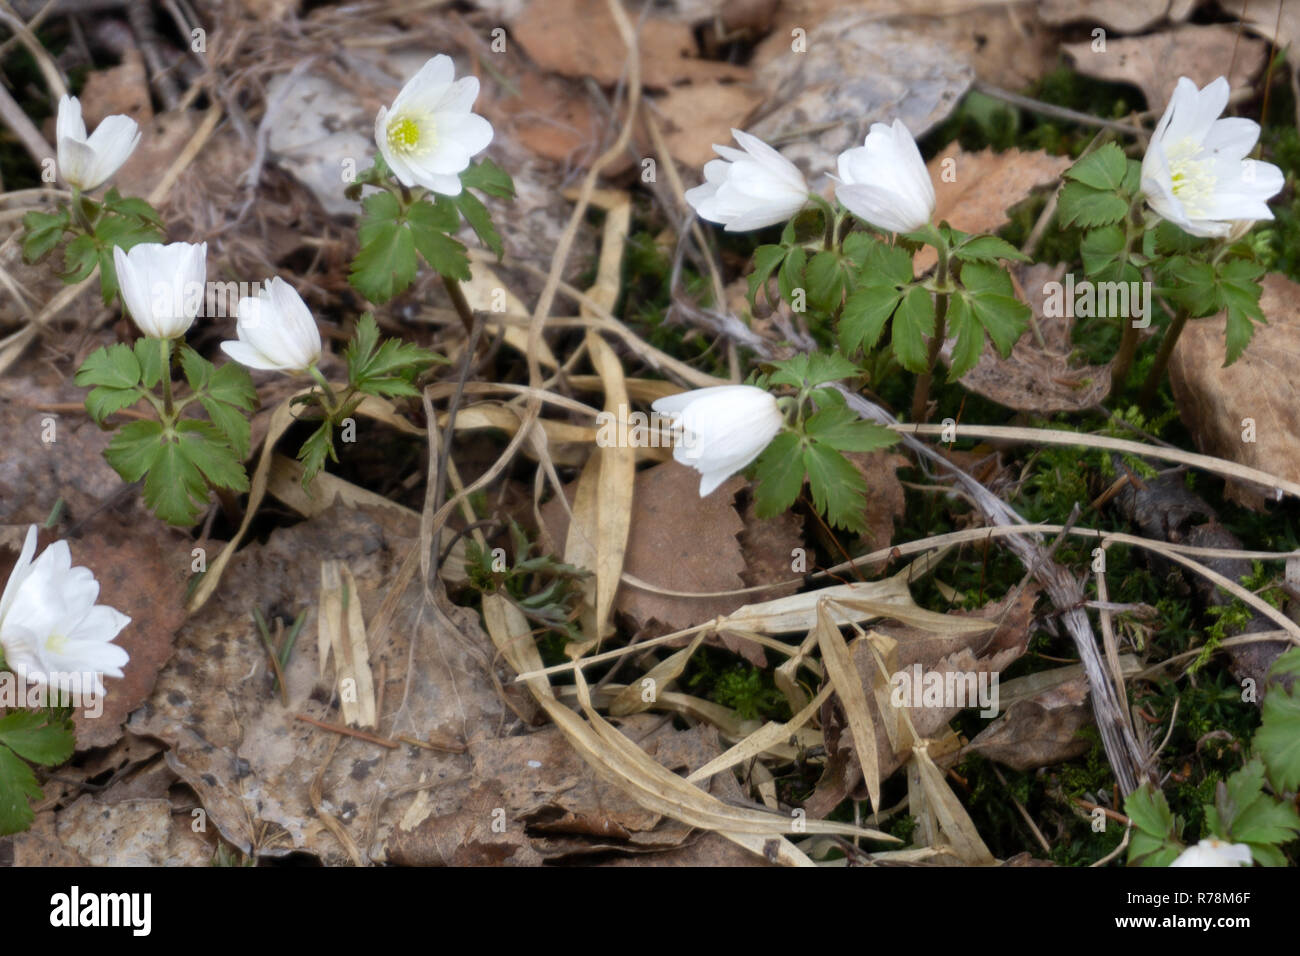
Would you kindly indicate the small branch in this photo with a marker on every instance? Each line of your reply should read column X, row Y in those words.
column 13, row 116
column 348, row 731
column 1056, row 112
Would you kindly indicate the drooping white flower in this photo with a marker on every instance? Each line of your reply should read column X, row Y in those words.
column 276, row 330
column 1195, row 173
column 87, row 162
column 748, row 189
column 1215, row 853
column 884, row 181
column 722, row 429
column 51, row 629
column 162, row 286
column 429, row 133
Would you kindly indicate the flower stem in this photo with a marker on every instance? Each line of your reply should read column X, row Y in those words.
column 169, row 412
column 1134, row 227
column 327, row 390
column 921, row 394
column 1152, row 384
column 461, row 303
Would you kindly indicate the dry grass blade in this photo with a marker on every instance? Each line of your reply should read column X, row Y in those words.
column 954, row 822
column 343, row 630
column 848, row 685
column 762, row 740
column 634, row 698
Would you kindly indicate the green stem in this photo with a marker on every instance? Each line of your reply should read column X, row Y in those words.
column 1128, row 342
column 327, row 398
column 921, row 394
column 169, row 413
column 1152, row 384
column 461, row 303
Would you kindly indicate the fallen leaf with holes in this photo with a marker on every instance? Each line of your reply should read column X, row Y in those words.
column 863, row 71
column 1127, row 16
column 973, row 191
column 1248, row 412
column 254, row 765
column 1038, row 378
column 1154, row 63
column 579, row 38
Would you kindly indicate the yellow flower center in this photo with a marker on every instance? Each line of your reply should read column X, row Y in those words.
column 1193, row 178
column 56, row 643
column 407, row 137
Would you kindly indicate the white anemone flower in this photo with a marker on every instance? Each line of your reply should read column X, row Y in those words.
column 884, row 181
column 86, row 162
column 52, row 631
column 1215, row 853
column 429, row 134
column 162, row 286
column 276, row 331
column 722, row 429
column 1195, row 173
column 750, row 188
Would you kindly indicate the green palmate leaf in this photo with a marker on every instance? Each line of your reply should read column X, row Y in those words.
column 38, row 736
column 913, row 325
column 858, row 247
column 103, row 401
column 133, row 448
column 825, row 280
column 838, row 489
column 1240, row 291
column 79, row 259
column 1190, row 284
column 1154, row 840
column 149, row 353
column 115, row 367
column 841, row 428
column 387, row 262
column 969, row 346
column 1278, row 739
column 18, row 787
column 1244, row 813
column 174, row 488
column 42, row 231
column 124, row 231
column 810, row 370
column 780, row 475
column 1089, row 207
column 865, row 313
column 1288, row 665
column 486, row 176
column 430, row 224
column 992, row 298
column 314, row 450
column 1103, row 169
column 790, row 277
column 766, row 261
column 885, row 265
column 385, row 369
column 231, row 423
column 987, row 249
column 133, row 207
column 480, row 220
column 206, row 447
column 1101, row 248
column 232, row 385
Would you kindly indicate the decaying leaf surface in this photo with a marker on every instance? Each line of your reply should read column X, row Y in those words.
column 1036, row 378
column 250, row 760
column 579, row 38
column 864, row 71
column 1040, row 731
column 1127, row 16
column 885, row 497
column 1153, row 63
column 697, row 117
column 1277, row 20
column 136, row 832
column 973, row 191
column 1248, row 412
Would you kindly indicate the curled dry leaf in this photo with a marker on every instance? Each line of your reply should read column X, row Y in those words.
column 1127, row 16
column 1282, row 26
column 1153, row 63
column 1036, row 378
column 1248, row 412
